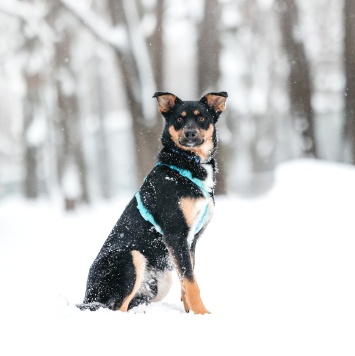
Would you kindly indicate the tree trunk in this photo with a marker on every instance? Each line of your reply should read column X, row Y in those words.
column 31, row 183
column 299, row 83
column 349, row 58
column 103, row 152
column 157, row 47
column 209, row 48
column 71, row 162
column 137, row 76
column 209, row 72
column 32, row 105
column 156, row 50
column 145, row 133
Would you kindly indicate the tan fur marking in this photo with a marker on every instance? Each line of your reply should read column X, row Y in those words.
column 196, row 112
column 175, row 136
column 139, row 263
column 183, row 294
column 190, row 291
column 187, row 205
column 202, row 151
column 190, row 209
column 216, row 102
column 183, row 114
column 193, row 298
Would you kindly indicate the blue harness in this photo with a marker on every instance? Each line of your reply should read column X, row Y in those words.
column 146, row 215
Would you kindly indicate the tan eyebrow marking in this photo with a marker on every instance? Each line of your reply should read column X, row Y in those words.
column 196, row 112
column 183, row 114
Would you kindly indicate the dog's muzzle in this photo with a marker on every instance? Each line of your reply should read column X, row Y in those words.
column 191, row 138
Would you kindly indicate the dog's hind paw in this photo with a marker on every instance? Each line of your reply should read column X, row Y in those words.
column 91, row 306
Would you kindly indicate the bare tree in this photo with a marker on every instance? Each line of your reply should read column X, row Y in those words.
column 33, row 100
column 33, row 80
column 136, row 70
column 32, row 103
column 252, row 120
column 209, row 47
column 32, row 108
column 299, row 82
column 71, row 165
column 156, row 46
column 208, row 54
column 349, row 59
column 70, row 156
column 103, row 152
column 125, row 13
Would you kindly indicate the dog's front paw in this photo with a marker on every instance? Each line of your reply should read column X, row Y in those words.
column 200, row 310
column 197, row 307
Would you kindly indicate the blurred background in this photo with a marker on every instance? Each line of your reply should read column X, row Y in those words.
column 78, row 123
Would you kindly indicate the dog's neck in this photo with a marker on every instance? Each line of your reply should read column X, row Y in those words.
column 189, row 155
column 186, row 160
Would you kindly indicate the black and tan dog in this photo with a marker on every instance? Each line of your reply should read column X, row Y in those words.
column 160, row 226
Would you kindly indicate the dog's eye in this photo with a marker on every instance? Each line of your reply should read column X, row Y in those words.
column 201, row 119
column 179, row 120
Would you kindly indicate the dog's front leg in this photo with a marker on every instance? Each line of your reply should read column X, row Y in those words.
column 180, row 254
column 183, row 294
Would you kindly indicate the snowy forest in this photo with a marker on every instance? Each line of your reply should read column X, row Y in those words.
column 78, row 123
column 80, row 129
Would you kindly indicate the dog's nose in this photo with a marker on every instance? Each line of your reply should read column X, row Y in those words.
column 190, row 134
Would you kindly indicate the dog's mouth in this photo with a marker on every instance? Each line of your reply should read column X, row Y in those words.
column 190, row 137
column 190, row 143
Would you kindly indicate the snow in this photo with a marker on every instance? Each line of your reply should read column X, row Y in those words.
column 277, row 272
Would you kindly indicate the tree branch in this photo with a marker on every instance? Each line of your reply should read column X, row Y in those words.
column 114, row 36
column 18, row 9
column 141, row 55
column 32, row 15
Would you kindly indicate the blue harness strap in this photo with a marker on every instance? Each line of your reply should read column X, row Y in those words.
column 187, row 174
column 202, row 219
column 146, row 215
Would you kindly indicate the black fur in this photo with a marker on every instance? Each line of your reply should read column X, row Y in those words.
column 113, row 274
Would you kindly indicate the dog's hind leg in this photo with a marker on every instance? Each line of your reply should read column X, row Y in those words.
column 114, row 279
column 139, row 263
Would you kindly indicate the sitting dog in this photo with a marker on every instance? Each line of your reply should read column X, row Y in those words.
column 160, row 226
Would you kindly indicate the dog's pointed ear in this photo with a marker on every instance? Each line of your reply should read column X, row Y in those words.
column 216, row 101
column 166, row 101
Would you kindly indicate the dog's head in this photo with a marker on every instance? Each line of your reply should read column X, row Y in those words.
column 190, row 125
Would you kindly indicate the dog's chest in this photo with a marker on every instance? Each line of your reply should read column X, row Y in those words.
column 209, row 184
column 209, row 180
column 198, row 212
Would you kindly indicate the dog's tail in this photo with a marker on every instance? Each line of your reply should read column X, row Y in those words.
column 91, row 306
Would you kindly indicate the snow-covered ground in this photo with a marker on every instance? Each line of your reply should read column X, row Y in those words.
column 277, row 272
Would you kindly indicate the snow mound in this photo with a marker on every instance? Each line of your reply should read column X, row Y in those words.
column 277, row 272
